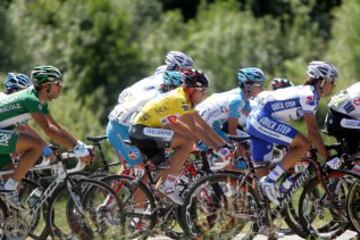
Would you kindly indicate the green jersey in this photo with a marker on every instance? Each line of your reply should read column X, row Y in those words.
column 17, row 107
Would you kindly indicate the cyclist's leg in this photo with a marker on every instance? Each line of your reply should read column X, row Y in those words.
column 31, row 148
column 116, row 134
column 299, row 146
column 272, row 131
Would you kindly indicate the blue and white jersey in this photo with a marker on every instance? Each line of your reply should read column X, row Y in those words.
column 289, row 103
column 219, row 107
column 347, row 101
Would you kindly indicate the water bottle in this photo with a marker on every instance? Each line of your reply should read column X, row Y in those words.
column 286, row 185
column 34, row 198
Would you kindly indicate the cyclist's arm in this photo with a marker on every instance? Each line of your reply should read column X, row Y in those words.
column 314, row 134
column 53, row 130
column 206, row 133
column 180, row 127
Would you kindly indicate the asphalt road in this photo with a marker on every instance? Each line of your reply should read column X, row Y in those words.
column 345, row 236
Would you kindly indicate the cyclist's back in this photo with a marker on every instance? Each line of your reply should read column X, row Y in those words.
column 16, row 108
column 343, row 119
column 158, row 112
column 289, row 103
column 347, row 101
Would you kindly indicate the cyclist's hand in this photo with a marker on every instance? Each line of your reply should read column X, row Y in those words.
column 84, row 152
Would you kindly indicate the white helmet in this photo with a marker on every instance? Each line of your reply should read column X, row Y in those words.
column 321, row 69
column 180, row 59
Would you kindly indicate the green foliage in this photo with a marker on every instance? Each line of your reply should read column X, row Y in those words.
column 104, row 46
column 344, row 48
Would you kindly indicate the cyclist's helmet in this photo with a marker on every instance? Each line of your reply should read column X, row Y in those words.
column 278, row 83
column 17, row 81
column 250, row 75
column 180, row 59
column 322, row 70
column 44, row 74
column 195, row 78
column 173, row 78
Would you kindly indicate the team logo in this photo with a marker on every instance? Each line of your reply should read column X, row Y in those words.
column 357, row 101
column 310, row 100
column 185, row 107
column 4, row 139
column 223, row 109
column 133, row 155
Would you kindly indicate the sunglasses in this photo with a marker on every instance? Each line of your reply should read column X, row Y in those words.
column 57, row 83
column 258, row 85
column 199, row 89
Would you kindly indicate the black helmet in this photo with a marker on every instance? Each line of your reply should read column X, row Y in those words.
column 278, row 83
column 195, row 78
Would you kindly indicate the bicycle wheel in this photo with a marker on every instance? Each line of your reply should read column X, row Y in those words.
column 321, row 217
column 139, row 214
column 212, row 209
column 29, row 223
column 88, row 217
column 353, row 206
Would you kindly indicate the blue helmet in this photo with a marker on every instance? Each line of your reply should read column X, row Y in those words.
column 17, row 81
column 250, row 75
column 173, row 78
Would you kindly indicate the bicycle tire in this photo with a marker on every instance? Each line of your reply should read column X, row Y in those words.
column 353, row 206
column 215, row 196
column 145, row 221
column 338, row 221
column 78, row 227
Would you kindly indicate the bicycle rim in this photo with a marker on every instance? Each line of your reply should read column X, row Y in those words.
column 317, row 214
column 95, row 221
column 138, row 209
column 211, row 209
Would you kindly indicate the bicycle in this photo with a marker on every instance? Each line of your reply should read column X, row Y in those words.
column 243, row 209
column 30, row 222
column 83, row 192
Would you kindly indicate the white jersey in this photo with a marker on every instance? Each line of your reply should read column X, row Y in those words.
column 134, row 97
column 123, row 112
column 160, row 69
column 289, row 103
column 219, row 107
column 149, row 83
column 347, row 101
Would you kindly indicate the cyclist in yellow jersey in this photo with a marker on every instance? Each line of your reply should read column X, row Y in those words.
column 171, row 121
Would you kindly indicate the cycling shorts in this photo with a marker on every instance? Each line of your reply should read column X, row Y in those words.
column 266, row 131
column 151, row 141
column 341, row 126
column 116, row 134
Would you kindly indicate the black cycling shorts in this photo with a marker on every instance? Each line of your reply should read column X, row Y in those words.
column 151, row 141
column 334, row 127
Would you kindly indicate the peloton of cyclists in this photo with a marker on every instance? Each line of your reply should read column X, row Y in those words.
column 171, row 121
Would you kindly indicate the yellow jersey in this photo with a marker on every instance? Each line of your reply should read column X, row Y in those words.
column 166, row 109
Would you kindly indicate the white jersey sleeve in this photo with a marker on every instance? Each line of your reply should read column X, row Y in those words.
column 308, row 100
